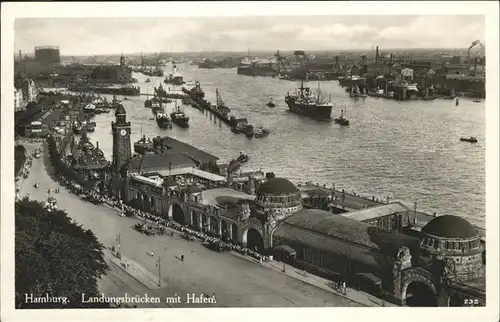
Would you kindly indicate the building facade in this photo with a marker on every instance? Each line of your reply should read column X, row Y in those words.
column 442, row 266
column 18, row 100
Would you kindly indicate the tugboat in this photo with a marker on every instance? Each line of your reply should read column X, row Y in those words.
column 341, row 119
column 470, row 139
column 175, row 78
column 249, row 133
column 271, row 103
column 304, row 103
column 242, row 158
column 179, row 117
column 261, row 132
column 163, row 121
column 239, row 127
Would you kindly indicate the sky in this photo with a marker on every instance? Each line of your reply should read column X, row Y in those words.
column 85, row 36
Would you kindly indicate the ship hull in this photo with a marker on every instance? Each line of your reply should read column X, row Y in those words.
column 256, row 71
column 108, row 90
column 181, row 122
column 163, row 123
column 322, row 113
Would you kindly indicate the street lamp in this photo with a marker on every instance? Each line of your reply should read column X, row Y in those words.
column 158, row 263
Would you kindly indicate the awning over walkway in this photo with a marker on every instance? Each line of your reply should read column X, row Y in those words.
column 369, row 277
column 285, row 249
column 196, row 172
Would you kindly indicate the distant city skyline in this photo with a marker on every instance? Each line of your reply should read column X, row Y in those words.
column 104, row 36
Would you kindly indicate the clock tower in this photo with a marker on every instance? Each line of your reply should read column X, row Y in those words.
column 122, row 152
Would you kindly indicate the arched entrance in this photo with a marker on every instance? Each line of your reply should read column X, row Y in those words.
column 152, row 203
column 121, row 193
column 146, row 205
column 234, row 232
column 177, row 214
column 225, row 232
column 253, row 239
column 420, row 294
column 204, row 221
column 141, row 200
column 194, row 219
column 213, row 224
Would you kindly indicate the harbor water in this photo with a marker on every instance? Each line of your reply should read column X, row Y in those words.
column 409, row 151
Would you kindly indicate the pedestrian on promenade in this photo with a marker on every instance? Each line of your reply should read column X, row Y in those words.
column 182, row 258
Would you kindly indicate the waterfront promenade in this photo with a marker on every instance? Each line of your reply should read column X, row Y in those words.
column 235, row 282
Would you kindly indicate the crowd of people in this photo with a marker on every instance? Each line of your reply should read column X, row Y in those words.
column 160, row 224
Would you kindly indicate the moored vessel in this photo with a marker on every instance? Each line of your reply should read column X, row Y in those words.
column 179, row 117
column 163, row 120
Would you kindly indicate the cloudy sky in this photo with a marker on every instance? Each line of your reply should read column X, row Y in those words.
column 83, row 36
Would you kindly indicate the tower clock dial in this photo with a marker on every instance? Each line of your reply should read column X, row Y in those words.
column 123, row 132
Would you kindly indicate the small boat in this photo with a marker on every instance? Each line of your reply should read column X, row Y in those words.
column 261, row 132
column 477, row 100
column 471, row 139
column 342, row 120
column 249, row 133
column 239, row 127
column 242, row 158
column 148, row 80
column 271, row 103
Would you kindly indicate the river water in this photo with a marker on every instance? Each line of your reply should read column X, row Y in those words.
column 409, row 151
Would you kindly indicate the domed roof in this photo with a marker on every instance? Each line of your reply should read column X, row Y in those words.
column 278, row 186
column 449, row 226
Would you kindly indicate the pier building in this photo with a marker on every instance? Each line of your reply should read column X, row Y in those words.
column 441, row 266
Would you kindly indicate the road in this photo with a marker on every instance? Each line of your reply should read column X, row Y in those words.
column 235, row 281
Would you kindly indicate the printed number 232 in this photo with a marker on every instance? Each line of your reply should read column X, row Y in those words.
column 471, row 301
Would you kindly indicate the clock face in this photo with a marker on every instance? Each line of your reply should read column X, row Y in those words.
column 123, row 132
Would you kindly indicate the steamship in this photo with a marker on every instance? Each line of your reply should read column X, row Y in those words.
column 302, row 102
